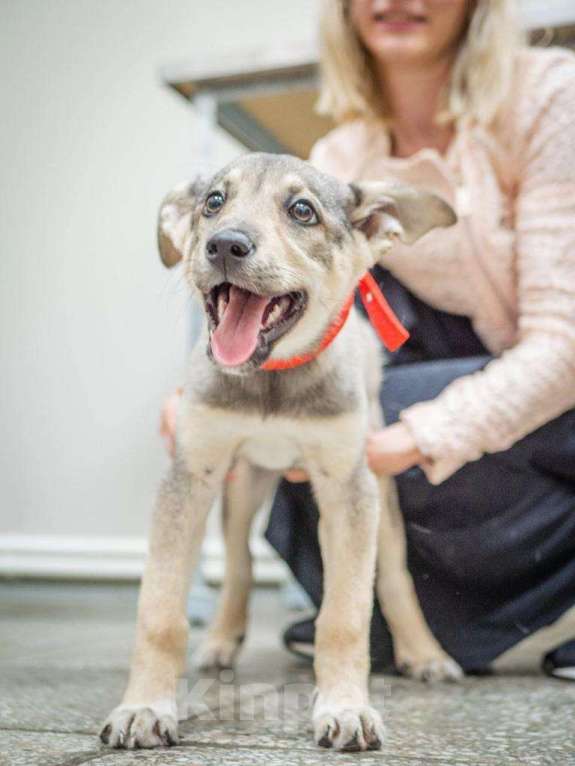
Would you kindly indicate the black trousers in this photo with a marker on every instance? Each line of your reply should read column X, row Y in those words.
column 492, row 548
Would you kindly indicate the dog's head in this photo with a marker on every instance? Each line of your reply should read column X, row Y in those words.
column 274, row 247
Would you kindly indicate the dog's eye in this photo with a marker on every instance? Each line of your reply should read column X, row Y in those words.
column 213, row 203
column 302, row 211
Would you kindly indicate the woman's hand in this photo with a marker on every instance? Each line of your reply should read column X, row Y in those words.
column 168, row 420
column 392, row 450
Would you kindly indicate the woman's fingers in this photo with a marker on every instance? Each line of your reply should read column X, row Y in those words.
column 392, row 450
column 296, row 475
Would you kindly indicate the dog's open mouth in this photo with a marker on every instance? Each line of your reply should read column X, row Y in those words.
column 243, row 323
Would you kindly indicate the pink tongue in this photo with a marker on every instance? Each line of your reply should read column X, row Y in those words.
column 235, row 338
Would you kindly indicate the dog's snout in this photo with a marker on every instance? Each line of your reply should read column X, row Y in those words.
column 229, row 243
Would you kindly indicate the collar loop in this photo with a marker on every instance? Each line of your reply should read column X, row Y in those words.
column 390, row 330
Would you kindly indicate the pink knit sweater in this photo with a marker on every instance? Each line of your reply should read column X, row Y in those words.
column 508, row 264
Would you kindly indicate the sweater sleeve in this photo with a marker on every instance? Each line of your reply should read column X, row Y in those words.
column 534, row 381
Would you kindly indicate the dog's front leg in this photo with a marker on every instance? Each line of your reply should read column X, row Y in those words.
column 349, row 511
column 147, row 716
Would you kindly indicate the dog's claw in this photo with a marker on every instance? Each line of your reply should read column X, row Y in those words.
column 374, row 743
column 325, row 741
column 354, row 744
column 349, row 729
column 372, row 738
column 431, row 669
column 144, row 727
column 328, row 736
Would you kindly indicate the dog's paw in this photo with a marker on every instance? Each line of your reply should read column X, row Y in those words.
column 217, row 653
column 348, row 729
column 145, row 726
column 430, row 668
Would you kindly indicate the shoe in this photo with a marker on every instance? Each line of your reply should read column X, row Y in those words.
column 298, row 638
column 560, row 662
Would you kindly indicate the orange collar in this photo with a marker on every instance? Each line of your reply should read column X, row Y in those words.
column 392, row 333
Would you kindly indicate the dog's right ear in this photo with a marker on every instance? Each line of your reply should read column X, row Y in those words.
column 175, row 220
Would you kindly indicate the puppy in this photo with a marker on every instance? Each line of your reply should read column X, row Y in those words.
column 274, row 248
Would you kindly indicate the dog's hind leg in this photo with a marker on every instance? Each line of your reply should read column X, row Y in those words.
column 148, row 715
column 244, row 494
column 417, row 651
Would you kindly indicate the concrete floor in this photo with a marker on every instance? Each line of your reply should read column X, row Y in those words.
column 64, row 652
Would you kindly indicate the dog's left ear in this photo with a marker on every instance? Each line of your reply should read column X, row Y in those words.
column 392, row 210
column 175, row 220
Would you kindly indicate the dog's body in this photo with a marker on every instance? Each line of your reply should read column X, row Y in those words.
column 316, row 415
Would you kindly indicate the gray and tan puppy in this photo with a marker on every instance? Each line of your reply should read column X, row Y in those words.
column 273, row 248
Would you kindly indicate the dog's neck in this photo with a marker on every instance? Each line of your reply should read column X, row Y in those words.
column 316, row 385
column 329, row 336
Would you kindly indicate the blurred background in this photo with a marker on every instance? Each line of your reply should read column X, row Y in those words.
column 105, row 106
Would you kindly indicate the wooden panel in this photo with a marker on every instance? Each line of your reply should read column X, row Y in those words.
column 290, row 118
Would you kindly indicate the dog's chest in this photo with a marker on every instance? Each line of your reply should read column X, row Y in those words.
column 275, row 452
column 277, row 444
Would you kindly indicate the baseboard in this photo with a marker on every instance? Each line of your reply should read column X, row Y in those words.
column 113, row 558
column 63, row 556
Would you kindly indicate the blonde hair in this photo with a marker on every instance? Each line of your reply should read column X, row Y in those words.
column 480, row 77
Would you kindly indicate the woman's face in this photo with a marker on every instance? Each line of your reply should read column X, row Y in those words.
column 414, row 32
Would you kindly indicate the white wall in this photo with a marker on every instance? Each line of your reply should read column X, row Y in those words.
column 540, row 13
column 92, row 328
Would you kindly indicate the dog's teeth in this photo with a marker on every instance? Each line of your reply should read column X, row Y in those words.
column 222, row 303
column 285, row 304
column 279, row 309
column 274, row 314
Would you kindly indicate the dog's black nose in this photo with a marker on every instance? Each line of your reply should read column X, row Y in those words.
column 229, row 244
